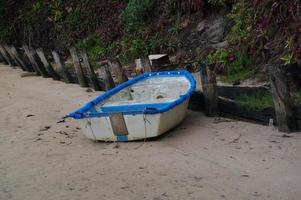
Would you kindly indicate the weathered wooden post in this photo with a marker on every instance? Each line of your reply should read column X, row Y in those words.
column 47, row 65
column 108, row 80
column 93, row 78
column 284, row 106
column 146, row 64
column 117, row 70
column 5, row 56
column 21, row 62
column 61, row 65
column 33, row 62
column 11, row 56
column 1, row 57
column 208, row 79
column 78, row 69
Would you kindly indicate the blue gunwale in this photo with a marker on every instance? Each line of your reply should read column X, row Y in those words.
column 88, row 110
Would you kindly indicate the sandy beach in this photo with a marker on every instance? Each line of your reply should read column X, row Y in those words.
column 45, row 157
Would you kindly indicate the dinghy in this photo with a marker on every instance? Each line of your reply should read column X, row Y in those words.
column 143, row 107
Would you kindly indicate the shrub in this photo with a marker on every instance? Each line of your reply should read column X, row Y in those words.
column 135, row 14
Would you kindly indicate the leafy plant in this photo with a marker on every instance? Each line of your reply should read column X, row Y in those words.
column 244, row 18
column 94, row 46
column 287, row 59
column 135, row 14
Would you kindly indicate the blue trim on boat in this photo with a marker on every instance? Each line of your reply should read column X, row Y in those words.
column 88, row 110
column 122, row 138
column 133, row 108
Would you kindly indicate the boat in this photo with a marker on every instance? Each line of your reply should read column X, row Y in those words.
column 143, row 107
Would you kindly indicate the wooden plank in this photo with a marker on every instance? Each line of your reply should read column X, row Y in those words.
column 118, row 124
column 108, row 80
column 284, row 106
column 78, row 69
column 47, row 65
column 92, row 76
column 117, row 70
column 61, row 64
column 208, row 79
column 17, row 56
column 5, row 56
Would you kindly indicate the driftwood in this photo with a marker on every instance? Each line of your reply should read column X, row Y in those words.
column 284, row 106
column 92, row 76
column 78, row 69
column 61, row 65
column 47, row 65
column 208, row 79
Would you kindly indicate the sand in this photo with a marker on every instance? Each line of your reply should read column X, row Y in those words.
column 203, row 158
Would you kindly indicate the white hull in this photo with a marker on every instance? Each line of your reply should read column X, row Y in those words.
column 140, row 126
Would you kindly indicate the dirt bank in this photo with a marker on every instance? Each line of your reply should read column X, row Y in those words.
column 201, row 159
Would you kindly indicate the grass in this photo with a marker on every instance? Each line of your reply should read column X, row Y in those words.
column 262, row 100
column 258, row 101
column 242, row 75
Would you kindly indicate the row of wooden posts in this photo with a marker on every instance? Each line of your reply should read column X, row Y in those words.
column 35, row 60
column 285, row 110
column 31, row 60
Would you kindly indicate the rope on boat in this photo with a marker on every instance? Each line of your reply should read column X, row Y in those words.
column 145, row 131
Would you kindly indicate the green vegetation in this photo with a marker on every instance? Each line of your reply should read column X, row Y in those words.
column 131, row 28
column 263, row 99
column 136, row 13
column 235, row 66
column 297, row 98
column 94, row 46
column 258, row 101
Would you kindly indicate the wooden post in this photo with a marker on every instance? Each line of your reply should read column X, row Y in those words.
column 117, row 70
column 4, row 54
column 26, row 60
column 30, row 57
column 146, row 64
column 284, row 106
column 61, row 64
column 47, row 65
column 93, row 78
column 11, row 56
column 22, row 63
column 78, row 69
column 208, row 78
column 108, row 80
column 1, row 57
column 12, row 51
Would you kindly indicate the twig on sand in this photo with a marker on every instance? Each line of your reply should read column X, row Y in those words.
column 235, row 140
